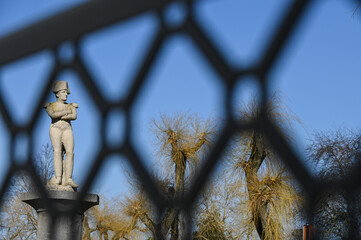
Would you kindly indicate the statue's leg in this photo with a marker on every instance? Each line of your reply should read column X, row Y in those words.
column 68, row 142
column 55, row 137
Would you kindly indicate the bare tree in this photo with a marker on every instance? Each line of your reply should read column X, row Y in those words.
column 217, row 214
column 272, row 199
column 181, row 141
column 17, row 219
column 265, row 194
column 112, row 220
column 334, row 153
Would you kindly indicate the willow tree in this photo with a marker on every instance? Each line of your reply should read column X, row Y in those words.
column 110, row 221
column 217, row 213
column 270, row 201
column 180, row 141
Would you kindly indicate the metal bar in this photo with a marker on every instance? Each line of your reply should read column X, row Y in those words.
column 5, row 115
column 212, row 159
column 209, row 50
column 69, row 25
column 279, row 40
column 139, row 80
column 287, row 155
column 89, row 84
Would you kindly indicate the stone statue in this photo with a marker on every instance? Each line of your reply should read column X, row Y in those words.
column 61, row 136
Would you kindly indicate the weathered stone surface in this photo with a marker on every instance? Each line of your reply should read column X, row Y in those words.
column 51, row 186
column 61, row 226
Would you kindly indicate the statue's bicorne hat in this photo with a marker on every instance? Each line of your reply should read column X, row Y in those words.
column 61, row 85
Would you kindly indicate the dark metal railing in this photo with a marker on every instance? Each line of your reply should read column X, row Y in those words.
column 70, row 26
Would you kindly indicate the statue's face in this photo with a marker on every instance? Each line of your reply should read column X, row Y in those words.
column 62, row 95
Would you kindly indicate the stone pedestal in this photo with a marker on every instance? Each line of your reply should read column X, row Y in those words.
column 65, row 227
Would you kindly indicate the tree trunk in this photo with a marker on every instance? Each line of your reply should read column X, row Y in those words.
column 175, row 229
column 255, row 161
column 180, row 169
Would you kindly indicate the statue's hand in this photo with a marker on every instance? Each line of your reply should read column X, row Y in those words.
column 69, row 113
column 66, row 112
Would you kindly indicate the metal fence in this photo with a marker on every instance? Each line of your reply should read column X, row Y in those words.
column 70, row 27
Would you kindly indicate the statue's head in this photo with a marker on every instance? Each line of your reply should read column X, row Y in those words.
column 61, row 85
column 61, row 90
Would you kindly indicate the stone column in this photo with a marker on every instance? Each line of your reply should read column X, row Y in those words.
column 65, row 227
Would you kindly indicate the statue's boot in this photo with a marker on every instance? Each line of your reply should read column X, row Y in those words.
column 58, row 167
column 69, row 163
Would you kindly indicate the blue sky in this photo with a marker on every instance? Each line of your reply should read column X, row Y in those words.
column 318, row 74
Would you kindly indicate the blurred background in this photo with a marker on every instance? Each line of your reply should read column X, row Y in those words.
column 316, row 78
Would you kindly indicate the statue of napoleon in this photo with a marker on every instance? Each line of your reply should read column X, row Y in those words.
column 61, row 136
